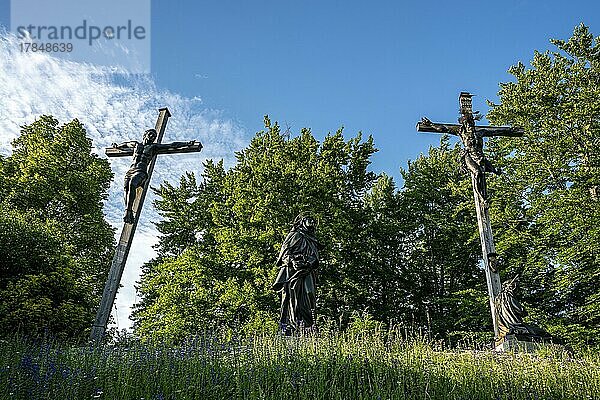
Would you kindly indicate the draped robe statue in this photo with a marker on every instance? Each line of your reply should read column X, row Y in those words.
column 297, row 278
column 511, row 313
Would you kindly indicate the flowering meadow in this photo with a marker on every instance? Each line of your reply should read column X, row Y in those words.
column 329, row 366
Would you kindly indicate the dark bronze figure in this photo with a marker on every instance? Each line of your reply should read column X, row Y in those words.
column 297, row 278
column 472, row 138
column 143, row 152
column 494, row 262
column 511, row 314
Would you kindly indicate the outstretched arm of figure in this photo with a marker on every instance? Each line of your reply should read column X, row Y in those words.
column 178, row 147
column 125, row 145
column 488, row 131
column 425, row 125
column 124, row 149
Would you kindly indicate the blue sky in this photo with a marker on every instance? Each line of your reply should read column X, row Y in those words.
column 372, row 67
column 375, row 67
column 221, row 65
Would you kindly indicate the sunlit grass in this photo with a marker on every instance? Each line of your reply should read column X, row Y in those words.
column 331, row 366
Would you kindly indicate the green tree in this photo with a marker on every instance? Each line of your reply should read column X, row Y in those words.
column 408, row 257
column 441, row 245
column 547, row 209
column 56, row 245
column 385, row 285
column 185, row 286
column 221, row 261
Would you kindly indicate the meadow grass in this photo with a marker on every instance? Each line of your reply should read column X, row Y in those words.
column 378, row 365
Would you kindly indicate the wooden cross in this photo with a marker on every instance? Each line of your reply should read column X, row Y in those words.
column 137, row 182
column 477, row 164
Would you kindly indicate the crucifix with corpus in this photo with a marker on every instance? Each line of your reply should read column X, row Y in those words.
column 477, row 164
column 137, row 182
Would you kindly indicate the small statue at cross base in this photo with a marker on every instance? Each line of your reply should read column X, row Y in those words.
column 297, row 278
column 510, row 313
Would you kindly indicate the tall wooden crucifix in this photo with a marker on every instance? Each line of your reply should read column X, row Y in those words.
column 477, row 164
column 137, row 182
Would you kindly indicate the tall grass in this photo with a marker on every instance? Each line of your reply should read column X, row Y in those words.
column 331, row 366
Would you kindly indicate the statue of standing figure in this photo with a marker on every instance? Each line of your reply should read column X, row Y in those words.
column 297, row 278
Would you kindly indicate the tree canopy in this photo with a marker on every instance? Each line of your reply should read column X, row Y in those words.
column 221, row 236
column 547, row 209
column 55, row 245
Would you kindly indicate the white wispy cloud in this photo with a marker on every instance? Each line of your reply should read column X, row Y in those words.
column 114, row 107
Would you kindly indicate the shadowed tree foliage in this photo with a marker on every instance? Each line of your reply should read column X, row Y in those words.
column 441, row 244
column 55, row 245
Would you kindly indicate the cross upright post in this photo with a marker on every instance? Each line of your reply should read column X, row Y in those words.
column 477, row 164
column 137, row 182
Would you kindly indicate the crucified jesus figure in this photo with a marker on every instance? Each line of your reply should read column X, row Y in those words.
column 143, row 153
column 472, row 138
column 473, row 157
